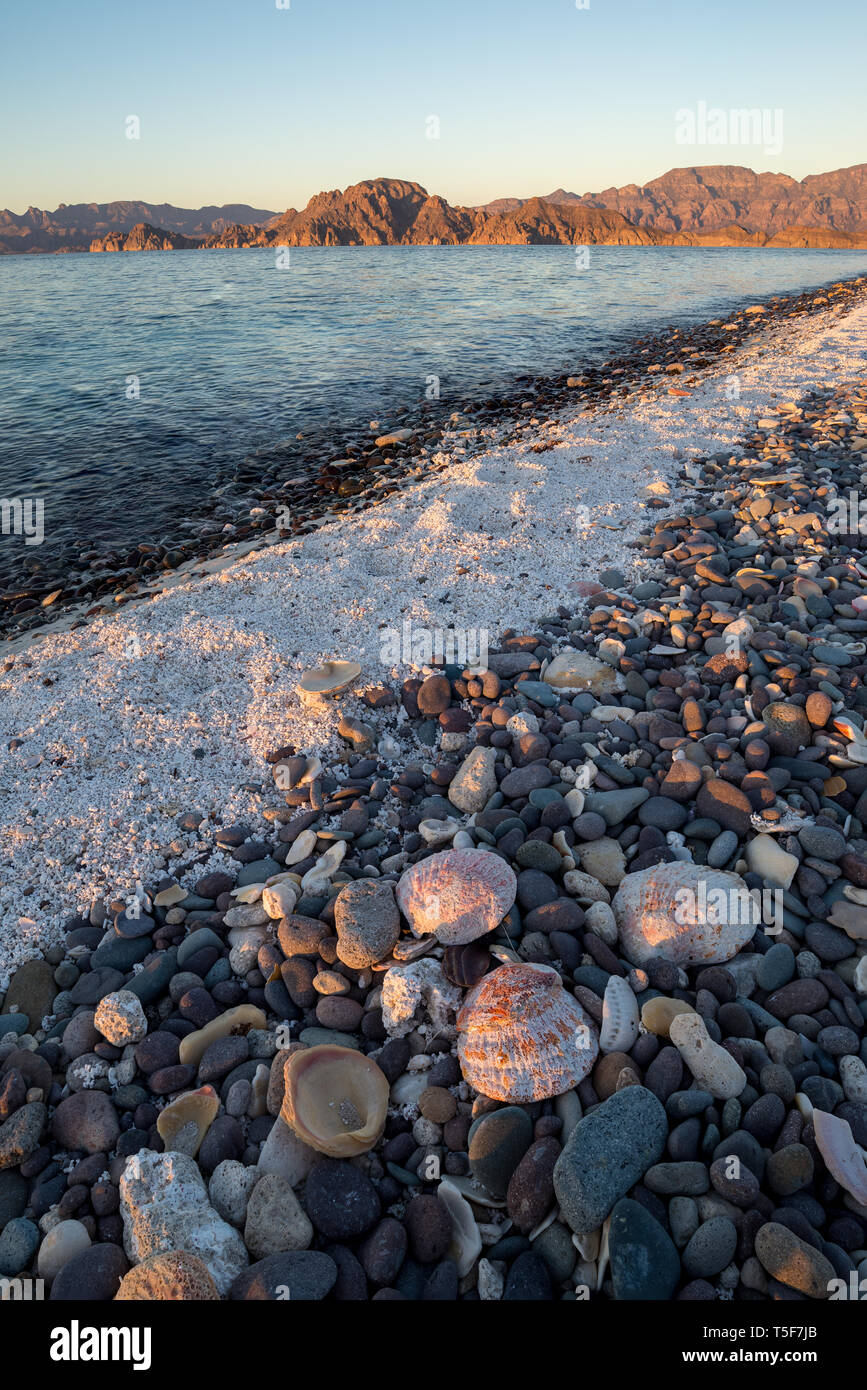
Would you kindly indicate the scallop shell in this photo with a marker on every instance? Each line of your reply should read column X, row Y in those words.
column 684, row 913
column 521, row 1037
column 459, row 894
column 620, row 1017
column 335, row 1099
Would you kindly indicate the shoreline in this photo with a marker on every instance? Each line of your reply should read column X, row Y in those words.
column 363, row 473
column 694, row 718
column 219, row 654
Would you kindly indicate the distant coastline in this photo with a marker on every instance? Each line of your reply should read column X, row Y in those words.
column 714, row 206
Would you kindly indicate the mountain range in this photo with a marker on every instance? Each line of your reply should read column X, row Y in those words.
column 722, row 205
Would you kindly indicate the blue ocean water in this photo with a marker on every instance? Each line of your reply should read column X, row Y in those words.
column 132, row 386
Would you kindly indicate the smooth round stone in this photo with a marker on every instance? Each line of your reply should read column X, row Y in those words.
column 687, row 1179
column 429, row 1228
column 528, row 1280
column 258, row 871
column 197, row 941
column 540, row 692
column 497, row 1143
column 721, row 849
column 789, row 1169
column 13, row 1195
column 91, row 1276
column 822, row 842
column 536, row 854
column 711, row 1248
column 120, row 953
column 14, row 1023
column 64, row 1240
column 153, row 981
column 776, row 967
column 341, row 1201
column 19, row 1241
column 662, row 813
column 86, row 1120
column 645, row 1264
column 544, row 796
column 32, row 991
column 131, row 925
column 301, row 1276
column 555, row 1247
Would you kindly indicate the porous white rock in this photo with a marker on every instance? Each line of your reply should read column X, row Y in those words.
column 164, row 1205
column 120, row 1018
column 407, row 988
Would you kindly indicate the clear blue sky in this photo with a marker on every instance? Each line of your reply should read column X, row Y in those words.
column 240, row 101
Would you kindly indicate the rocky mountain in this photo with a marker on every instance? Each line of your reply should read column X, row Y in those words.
column 720, row 205
column 74, row 227
column 143, row 237
column 706, row 199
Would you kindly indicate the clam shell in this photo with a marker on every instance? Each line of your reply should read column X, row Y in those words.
column 521, row 1037
column 329, row 678
column 335, row 1099
column 459, row 894
column 684, row 913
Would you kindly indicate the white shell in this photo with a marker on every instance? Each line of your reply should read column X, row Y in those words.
column 620, row 1017
column 466, row 1246
column 686, row 913
column 460, row 894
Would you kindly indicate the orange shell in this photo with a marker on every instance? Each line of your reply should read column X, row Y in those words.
column 521, row 1037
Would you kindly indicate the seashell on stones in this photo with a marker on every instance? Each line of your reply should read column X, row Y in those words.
column 684, row 913
column 459, row 894
column 335, row 1099
column 522, row 1038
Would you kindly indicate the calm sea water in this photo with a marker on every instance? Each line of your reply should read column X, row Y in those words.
column 131, row 386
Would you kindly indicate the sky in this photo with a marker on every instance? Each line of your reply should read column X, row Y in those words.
column 266, row 103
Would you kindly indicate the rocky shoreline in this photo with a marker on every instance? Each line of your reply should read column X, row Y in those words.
column 452, row 1031
column 291, row 492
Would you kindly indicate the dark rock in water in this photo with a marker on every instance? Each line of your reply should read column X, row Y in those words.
column 607, row 1153
column 644, row 1260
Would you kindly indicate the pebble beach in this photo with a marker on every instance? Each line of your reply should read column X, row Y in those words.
column 332, row 973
